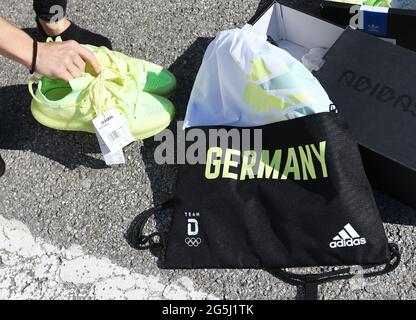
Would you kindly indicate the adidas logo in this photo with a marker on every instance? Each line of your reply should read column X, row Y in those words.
column 373, row 28
column 347, row 237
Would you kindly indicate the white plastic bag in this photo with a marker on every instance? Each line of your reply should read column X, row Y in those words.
column 245, row 81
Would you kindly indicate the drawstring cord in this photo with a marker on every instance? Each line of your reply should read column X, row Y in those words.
column 146, row 242
column 311, row 282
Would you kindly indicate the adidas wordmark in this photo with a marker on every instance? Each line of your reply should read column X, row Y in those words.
column 347, row 237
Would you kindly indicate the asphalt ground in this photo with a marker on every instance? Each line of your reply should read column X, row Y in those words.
column 57, row 185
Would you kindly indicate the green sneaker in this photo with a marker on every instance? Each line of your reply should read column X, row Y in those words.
column 159, row 80
column 72, row 106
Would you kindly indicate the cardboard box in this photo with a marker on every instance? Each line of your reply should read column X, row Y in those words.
column 295, row 31
column 396, row 23
column 373, row 84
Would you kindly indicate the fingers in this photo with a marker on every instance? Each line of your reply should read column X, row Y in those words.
column 79, row 63
column 66, row 76
column 89, row 57
column 66, row 60
column 74, row 70
column 75, row 64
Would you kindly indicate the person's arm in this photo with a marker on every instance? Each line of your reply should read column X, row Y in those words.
column 61, row 60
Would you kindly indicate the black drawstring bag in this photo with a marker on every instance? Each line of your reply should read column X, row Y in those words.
column 307, row 204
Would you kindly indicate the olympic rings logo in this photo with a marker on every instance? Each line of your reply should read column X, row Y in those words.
column 193, row 242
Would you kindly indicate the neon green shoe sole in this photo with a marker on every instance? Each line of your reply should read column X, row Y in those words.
column 62, row 124
column 154, row 114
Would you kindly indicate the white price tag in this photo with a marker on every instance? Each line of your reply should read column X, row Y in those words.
column 113, row 131
column 111, row 158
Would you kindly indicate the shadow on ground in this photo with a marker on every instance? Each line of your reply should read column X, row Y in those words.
column 19, row 131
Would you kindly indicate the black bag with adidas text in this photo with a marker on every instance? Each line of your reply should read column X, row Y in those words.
column 301, row 201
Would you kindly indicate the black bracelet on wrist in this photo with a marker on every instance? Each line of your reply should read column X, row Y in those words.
column 34, row 57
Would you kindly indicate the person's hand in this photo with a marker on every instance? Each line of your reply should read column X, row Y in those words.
column 64, row 60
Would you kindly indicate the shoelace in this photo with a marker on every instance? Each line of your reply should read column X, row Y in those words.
column 103, row 90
